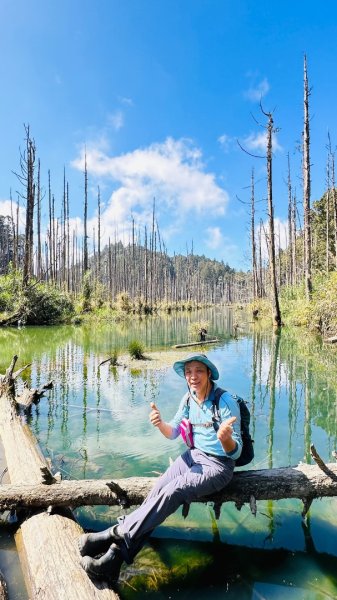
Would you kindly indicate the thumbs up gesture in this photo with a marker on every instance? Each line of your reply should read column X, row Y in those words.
column 225, row 430
column 155, row 417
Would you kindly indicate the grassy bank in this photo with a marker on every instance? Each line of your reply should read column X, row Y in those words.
column 318, row 315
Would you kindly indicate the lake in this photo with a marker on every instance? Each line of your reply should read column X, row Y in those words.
column 94, row 424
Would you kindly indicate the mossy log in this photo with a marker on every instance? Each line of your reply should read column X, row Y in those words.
column 47, row 543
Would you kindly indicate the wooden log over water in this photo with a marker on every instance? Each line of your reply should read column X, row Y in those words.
column 305, row 482
column 196, row 343
column 47, row 543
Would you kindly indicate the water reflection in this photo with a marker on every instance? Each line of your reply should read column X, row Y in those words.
column 94, row 423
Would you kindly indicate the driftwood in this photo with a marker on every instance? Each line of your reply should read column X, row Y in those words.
column 196, row 343
column 47, row 543
column 32, row 396
column 305, row 482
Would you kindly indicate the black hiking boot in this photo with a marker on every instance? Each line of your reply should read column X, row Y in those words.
column 92, row 544
column 107, row 567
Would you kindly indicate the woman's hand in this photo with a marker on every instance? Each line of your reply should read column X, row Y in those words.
column 155, row 417
column 224, row 434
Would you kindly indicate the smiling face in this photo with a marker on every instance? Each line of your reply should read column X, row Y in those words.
column 197, row 377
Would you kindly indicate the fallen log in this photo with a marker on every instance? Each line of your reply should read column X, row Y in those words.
column 332, row 340
column 305, row 482
column 196, row 343
column 46, row 543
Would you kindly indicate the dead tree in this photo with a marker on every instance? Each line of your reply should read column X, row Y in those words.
column 271, row 237
column 256, row 286
column 85, row 218
column 307, row 187
column 26, row 178
column 38, row 221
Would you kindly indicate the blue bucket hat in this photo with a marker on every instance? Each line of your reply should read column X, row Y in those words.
column 179, row 366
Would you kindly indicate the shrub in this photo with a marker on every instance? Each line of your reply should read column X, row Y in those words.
column 114, row 358
column 136, row 349
column 43, row 305
column 86, row 292
column 194, row 328
column 123, row 303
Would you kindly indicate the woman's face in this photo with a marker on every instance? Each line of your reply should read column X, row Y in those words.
column 197, row 377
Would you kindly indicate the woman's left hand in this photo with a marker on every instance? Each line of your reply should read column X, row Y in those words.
column 225, row 430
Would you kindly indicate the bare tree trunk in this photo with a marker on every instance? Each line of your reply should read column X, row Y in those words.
column 272, row 261
column 51, row 242
column 256, row 291
column 68, row 239
column 307, row 187
column 334, row 198
column 64, row 231
column 85, row 218
column 290, row 228
column 38, row 215
column 327, row 218
column 27, row 168
column 54, row 240
column 14, row 234
column 99, row 233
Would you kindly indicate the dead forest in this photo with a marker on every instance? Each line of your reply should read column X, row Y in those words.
column 135, row 264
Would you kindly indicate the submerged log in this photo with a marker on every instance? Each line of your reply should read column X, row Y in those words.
column 305, row 482
column 47, row 543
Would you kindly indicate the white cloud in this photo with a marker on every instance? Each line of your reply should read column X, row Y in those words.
column 171, row 172
column 126, row 101
column 257, row 90
column 225, row 141
column 116, row 120
column 281, row 236
column 7, row 211
column 215, row 238
column 258, row 141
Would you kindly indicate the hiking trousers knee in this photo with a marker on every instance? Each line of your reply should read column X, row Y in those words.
column 192, row 475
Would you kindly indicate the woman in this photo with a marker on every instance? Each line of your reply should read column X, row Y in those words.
column 201, row 470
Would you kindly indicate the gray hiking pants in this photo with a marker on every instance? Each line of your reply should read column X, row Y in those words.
column 192, row 475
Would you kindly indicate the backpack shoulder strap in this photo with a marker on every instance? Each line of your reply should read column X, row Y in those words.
column 215, row 404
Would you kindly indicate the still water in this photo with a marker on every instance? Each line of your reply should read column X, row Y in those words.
column 94, row 424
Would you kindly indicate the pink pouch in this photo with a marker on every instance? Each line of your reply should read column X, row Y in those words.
column 186, row 432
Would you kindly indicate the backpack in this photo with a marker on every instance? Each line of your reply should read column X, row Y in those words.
column 247, row 453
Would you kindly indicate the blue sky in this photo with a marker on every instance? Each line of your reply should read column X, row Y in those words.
column 159, row 92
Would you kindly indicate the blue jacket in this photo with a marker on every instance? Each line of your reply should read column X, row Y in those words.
column 200, row 416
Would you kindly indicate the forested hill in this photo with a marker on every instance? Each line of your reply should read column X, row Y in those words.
column 156, row 276
column 143, row 271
